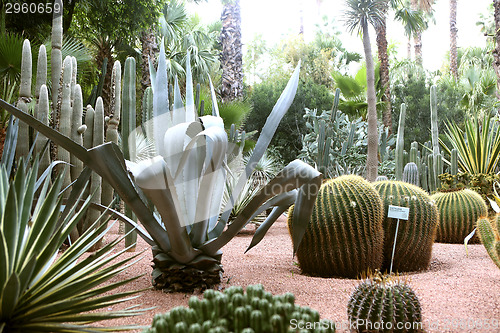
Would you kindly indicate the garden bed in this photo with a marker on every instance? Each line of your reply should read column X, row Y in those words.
column 457, row 290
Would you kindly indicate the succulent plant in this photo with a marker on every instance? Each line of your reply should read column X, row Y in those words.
column 489, row 233
column 235, row 310
column 411, row 174
column 400, row 143
column 345, row 236
column 458, row 215
column 415, row 236
column 384, row 303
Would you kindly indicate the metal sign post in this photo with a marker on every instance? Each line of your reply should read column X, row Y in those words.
column 399, row 213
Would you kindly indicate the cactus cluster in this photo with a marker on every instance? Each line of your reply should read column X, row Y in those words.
column 234, row 310
column 415, row 236
column 458, row 214
column 489, row 234
column 384, row 304
column 345, row 235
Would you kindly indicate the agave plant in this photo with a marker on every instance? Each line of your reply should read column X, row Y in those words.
column 41, row 291
column 186, row 180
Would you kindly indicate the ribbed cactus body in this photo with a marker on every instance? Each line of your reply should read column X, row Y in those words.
column 400, row 143
column 23, row 143
column 411, row 174
column 379, row 304
column 458, row 214
column 490, row 237
column 415, row 236
column 256, row 311
column 345, row 235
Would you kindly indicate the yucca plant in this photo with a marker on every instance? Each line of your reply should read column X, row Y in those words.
column 186, row 180
column 41, row 291
column 478, row 145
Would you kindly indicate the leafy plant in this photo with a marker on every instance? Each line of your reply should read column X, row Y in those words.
column 40, row 289
column 186, row 180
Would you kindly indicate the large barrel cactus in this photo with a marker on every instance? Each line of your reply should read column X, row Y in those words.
column 384, row 304
column 344, row 237
column 458, row 214
column 415, row 236
column 256, row 311
column 490, row 237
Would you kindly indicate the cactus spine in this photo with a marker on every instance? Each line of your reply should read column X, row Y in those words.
column 128, row 132
column 345, row 235
column 55, row 53
column 458, row 214
column 380, row 300
column 490, row 237
column 400, row 143
column 411, row 174
column 415, row 236
column 23, row 144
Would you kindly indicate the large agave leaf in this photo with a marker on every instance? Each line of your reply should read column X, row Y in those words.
column 296, row 175
column 272, row 122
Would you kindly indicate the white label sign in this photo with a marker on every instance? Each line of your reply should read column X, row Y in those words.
column 397, row 212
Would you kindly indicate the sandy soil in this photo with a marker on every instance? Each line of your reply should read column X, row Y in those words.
column 458, row 293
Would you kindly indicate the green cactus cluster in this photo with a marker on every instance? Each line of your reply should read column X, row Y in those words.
column 458, row 214
column 489, row 234
column 345, row 236
column 381, row 303
column 235, row 310
column 416, row 235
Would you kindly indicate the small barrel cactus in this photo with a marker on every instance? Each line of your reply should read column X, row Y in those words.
column 415, row 236
column 411, row 174
column 345, row 235
column 384, row 304
column 490, row 237
column 236, row 311
column 458, row 214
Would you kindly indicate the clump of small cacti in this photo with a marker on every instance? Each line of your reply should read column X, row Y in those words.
column 489, row 234
column 236, row 311
column 384, row 303
column 458, row 214
column 415, row 236
column 345, row 236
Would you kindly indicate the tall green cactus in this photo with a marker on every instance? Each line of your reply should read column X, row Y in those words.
column 23, row 145
column 345, row 235
column 380, row 303
column 415, row 236
column 458, row 214
column 454, row 162
column 411, row 174
column 42, row 108
column 437, row 162
column 400, row 143
column 65, row 115
column 147, row 113
column 128, row 131
column 55, row 53
column 490, row 237
column 77, row 130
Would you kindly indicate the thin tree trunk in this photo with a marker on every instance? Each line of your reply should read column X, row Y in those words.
column 372, row 154
column 417, row 39
column 496, row 52
column 453, row 39
column 384, row 73
column 149, row 50
column 232, row 54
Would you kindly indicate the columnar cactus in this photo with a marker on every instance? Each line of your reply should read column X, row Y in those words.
column 55, row 53
column 77, row 130
column 454, row 162
column 65, row 116
column 411, row 174
column 415, row 236
column 42, row 108
column 23, row 145
column 400, row 143
column 236, row 311
column 458, row 214
column 490, row 237
column 381, row 303
column 345, row 235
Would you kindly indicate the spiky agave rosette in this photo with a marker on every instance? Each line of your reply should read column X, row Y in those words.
column 384, row 303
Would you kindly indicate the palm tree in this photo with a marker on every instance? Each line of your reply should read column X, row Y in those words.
column 425, row 5
column 453, row 39
column 359, row 14
column 232, row 54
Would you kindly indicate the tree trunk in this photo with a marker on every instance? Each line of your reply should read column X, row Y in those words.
column 453, row 39
column 372, row 154
column 104, row 50
column 231, row 55
column 384, row 72
column 417, row 39
column 496, row 52
column 149, row 50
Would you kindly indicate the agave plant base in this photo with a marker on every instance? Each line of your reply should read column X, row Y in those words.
column 201, row 273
